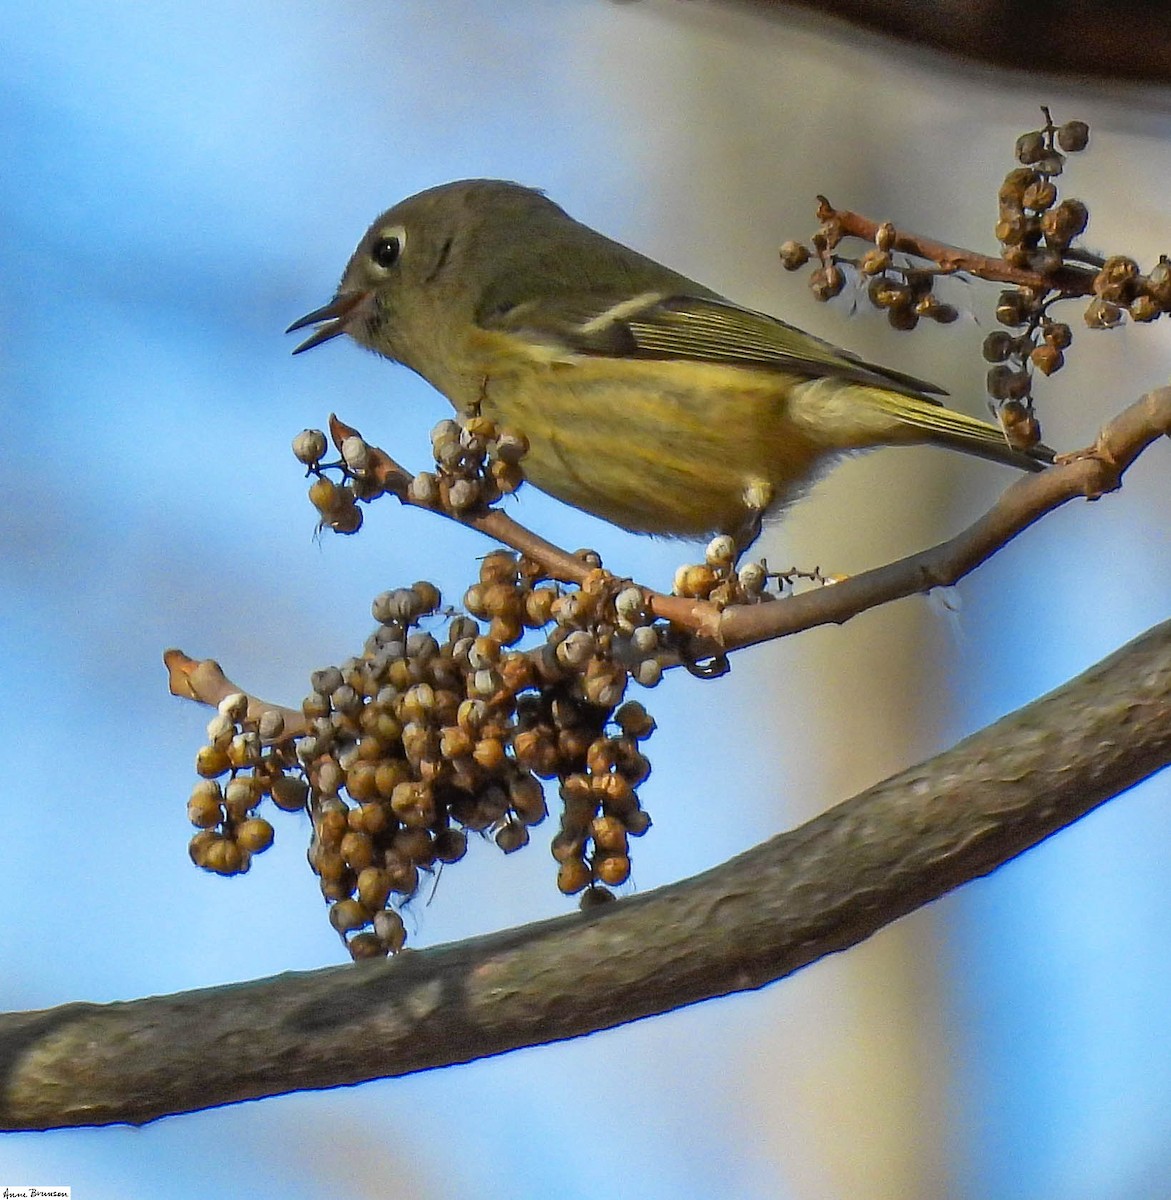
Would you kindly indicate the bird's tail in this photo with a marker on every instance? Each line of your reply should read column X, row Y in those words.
column 927, row 420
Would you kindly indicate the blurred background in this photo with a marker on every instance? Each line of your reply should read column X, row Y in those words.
column 181, row 180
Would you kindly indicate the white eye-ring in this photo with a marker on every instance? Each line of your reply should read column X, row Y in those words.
column 388, row 247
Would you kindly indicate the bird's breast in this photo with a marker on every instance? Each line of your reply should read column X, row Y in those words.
column 665, row 447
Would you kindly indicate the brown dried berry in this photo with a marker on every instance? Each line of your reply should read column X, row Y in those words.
column 1073, row 136
column 794, row 255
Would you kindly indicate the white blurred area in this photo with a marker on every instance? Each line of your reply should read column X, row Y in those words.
column 185, row 179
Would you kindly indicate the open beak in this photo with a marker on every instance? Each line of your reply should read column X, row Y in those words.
column 330, row 320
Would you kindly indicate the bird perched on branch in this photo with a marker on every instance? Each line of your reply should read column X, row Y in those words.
column 646, row 398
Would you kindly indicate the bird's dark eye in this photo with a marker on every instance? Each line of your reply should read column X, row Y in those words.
column 386, row 250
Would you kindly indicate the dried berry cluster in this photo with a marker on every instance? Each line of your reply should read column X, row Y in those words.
column 475, row 464
column 421, row 739
column 720, row 582
column 905, row 293
column 1037, row 232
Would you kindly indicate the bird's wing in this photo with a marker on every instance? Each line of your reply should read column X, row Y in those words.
column 701, row 328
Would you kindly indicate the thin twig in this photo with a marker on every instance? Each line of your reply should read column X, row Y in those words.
column 1073, row 281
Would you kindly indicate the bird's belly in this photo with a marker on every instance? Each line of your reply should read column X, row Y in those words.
column 680, row 449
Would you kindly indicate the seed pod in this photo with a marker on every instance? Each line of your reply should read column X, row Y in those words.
column 309, row 446
column 794, row 255
column 1031, row 147
column 1073, row 136
column 827, row 282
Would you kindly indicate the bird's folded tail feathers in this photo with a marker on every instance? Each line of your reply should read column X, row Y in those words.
column 946, row 426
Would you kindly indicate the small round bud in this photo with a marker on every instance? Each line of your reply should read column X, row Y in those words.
column 1011, row 308
column 753, row 578
column 1073, row 136
column 827, row 282
column 1103, row 314
column 511, row 836
column 391, row 931
column 424, row 489
column 329, row 777
column 1031, row 147
column 1064, row 222
column 577, row 648
column 355, row 454
column 220, row 730
column 884, row 236
column 1159, row 282
column 874, row 262
column 1144, row 308
column 234, row 707
column 348, row 914
column 648, row 673
column 445, row 432
column 254, row 835
column 634, row 720
column 694, row 580
column 325, row 496
column 902, row 317
column 1040, row 195
column 595, row 896
column 794, row 255
column 1057, row 334
column 1052, row 163
column 427, row 597
column 289, row 792
column 1013, row 229
column 271, row 726
column 1047, row 358
column 357, row 849
column 309, row 446
column 346, row 519
column 365, row 945
column 463, row 494
column 346, row 700
column 888, row 293
column 721, row 551
column 326, row 681
column 572, row 876
column 997, row 346
column 242, row 795
column 1006, row 383
column 628, row 606
column 225, row 856
column 609, row 834
column 1117, row 279
column 1021, row 429
column 1012, row 190
column 211, row 761
column 450, row 845
column 939, row 311
column 204, row 810
column 604, row 686
column 613, row 869
column 510, row 446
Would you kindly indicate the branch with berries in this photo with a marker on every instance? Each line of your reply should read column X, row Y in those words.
column 449, row 723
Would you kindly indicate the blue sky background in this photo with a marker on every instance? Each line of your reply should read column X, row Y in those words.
column 180, row 182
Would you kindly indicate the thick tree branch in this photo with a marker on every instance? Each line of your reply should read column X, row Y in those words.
column 759, row 917
column 1113, row 39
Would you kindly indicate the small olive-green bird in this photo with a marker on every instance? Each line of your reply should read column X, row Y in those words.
column 647, row 399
